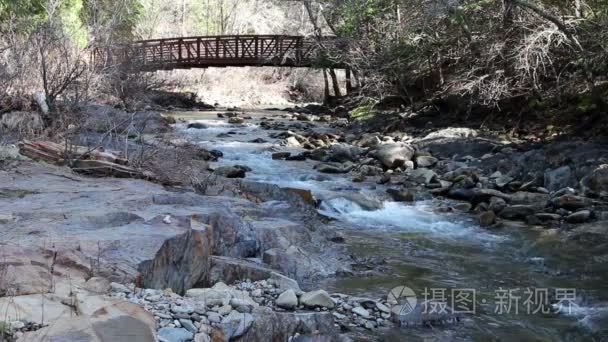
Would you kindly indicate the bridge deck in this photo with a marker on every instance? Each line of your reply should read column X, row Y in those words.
column 211, row 51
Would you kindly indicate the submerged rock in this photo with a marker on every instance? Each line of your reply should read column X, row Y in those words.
column 197, row 125
column 401, row 195
column 332, row 168
column 236, row 120
column 230, row 172
column 487, row 218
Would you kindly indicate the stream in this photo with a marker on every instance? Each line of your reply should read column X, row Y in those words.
column 442, row 254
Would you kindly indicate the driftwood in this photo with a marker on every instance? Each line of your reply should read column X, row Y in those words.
column 82, row 159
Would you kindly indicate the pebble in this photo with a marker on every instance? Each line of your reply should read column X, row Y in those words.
column 179, row 315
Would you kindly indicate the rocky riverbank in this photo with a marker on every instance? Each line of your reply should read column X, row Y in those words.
column 109, row 248
column 560, row 184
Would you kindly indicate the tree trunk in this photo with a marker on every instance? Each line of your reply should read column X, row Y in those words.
column 334, row 82
column 326, row 89
column 349, row 83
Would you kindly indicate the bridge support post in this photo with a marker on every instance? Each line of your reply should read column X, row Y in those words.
column 326, row 88
column 349, row 83
column 334, row 81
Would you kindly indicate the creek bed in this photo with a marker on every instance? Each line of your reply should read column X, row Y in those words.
column 425, row 250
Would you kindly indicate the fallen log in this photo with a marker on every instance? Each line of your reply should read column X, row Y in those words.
column 53, row 152
column 81, row 159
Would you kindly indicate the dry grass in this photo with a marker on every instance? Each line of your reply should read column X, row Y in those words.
column 23, row 123
column 534, row 57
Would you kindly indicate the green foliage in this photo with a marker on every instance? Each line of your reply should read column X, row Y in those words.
column 205, row 20
column 31, row 9
column 70, row 17
column 120, row 16
column 362, row 112
column 4, row 328
column 353, row 16
column 585, row 103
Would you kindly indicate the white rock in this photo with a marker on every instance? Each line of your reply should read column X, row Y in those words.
column 287, row 300
column 359, row 310
column 319, row 298
column 383, row 307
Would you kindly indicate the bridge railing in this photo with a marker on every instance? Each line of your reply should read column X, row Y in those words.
column 188, row 52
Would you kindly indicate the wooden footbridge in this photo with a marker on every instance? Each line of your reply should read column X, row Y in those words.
column 212, row 51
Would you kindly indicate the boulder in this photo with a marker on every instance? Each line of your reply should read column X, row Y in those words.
column 99, row 319
column 543, row 217
column 306, row 195
column 235, row 325
column 464, row 206
column 393, row 155
column 232, row 270
column 97, row 285
column 598, row 181
column 287, row 300
column 579, row 216
column 292, row 142
column 175, row 334
column 241, row 306
column 360, row 311
column 369, row 140
column 518, row 211
column 318, row 298
column 524, row 197
column 497, row 204
column 370, row 170
column 570, row 202
column 181, row 261
column 271, row 325
column 461, row 172
column 422, row 175
column 503, row 181
column 219, row 294
column 341, row 153
column 426, row 161
column 559, row 178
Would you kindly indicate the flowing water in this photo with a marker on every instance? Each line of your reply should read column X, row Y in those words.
column 442, row 255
